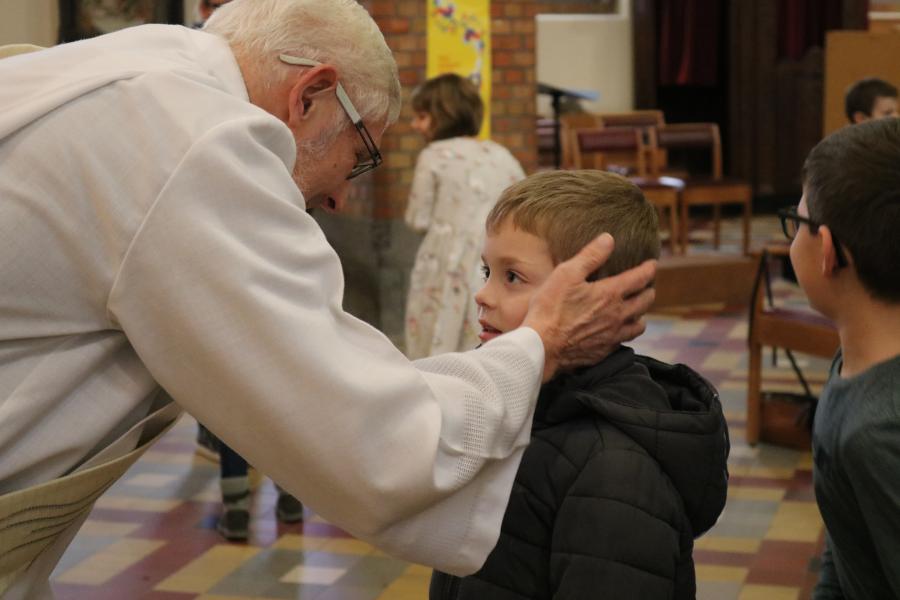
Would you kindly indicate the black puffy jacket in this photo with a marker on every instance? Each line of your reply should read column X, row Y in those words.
column 626, row 466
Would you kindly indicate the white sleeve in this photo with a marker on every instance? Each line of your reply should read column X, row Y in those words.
column 231, row 296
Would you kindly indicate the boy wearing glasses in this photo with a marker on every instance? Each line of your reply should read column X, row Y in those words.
column 845, row 252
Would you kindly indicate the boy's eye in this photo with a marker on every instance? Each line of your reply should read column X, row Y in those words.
column 485, row 272
column 512, row 277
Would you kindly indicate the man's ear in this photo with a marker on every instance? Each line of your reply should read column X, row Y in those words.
column 309, row 88
column 860, row 117
column 828, row 252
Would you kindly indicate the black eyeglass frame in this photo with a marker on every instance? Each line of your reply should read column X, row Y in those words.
column 375, row 157
column 786, row 214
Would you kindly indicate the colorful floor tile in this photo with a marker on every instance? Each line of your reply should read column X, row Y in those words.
column 153, row 535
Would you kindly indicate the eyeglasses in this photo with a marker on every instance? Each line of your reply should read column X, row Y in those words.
column 790, row 225
column 375, row 159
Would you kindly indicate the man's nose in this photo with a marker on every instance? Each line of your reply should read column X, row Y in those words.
column 337, row 199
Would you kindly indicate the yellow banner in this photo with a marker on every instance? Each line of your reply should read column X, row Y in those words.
column 459, row 41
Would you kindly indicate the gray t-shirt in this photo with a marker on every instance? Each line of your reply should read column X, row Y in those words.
column 856, row 449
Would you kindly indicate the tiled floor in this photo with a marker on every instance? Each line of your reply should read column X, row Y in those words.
column 152, row 536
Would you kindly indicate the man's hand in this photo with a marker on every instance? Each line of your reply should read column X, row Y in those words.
column 582, row 322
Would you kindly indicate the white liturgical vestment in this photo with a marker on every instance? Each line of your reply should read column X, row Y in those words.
column 151, row 235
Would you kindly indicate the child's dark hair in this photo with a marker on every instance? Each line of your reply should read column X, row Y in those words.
column 852, row 184
column 568, row 209
column 453, row 104
column 861, row 96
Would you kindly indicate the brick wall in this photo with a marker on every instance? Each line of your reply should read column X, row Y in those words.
column 513, row 83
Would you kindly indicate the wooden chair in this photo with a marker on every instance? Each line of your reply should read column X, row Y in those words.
column 664, row 194
column 545, row 130
column 568, row 125
column 634, row 118
column 704, row 279
column 789, row 329
column 710, row 189
column 644, row 120
column 593, row 148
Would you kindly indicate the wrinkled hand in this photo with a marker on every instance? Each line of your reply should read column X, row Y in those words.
column 582, row 322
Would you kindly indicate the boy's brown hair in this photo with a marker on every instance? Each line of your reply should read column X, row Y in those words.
column 568, row 209
column 852, row 181
column 453, row 104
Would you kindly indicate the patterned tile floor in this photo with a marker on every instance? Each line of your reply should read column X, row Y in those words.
column 153, row 534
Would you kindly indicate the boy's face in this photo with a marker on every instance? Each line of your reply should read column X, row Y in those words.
column 806, row 257
column 516, row 263
column 884, row 107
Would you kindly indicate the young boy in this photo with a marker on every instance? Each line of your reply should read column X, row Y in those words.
column 627, row 461
column 845, row 251
column 870, row 98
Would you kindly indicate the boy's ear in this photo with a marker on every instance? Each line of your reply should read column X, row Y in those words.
column 860, row 117
column 309, row 88
column 828, row 252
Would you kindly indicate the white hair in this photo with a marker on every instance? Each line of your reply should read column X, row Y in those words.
column 338, row 32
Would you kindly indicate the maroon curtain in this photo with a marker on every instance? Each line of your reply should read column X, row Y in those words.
column 776, row 72
column 689, row 42
column 802, row 25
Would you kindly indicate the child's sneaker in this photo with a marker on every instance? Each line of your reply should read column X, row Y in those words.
column 288, row 509
column 234, row 525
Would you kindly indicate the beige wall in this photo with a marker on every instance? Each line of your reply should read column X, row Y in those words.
column 190, row 11
column 37, row 21
column 587, row 52
column 29, row 21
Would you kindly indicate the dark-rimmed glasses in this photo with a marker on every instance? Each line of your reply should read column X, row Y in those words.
column 790, row 225
column 375, row 159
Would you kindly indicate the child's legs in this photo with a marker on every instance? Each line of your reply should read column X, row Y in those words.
column 232, row 464
column 288, row 509
column 234, row 482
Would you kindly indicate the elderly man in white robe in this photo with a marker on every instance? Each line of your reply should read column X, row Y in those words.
column 154, row 236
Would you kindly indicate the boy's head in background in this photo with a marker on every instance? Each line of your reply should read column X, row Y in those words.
column 870, row 98
column 846, row 245
column 547, row 219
